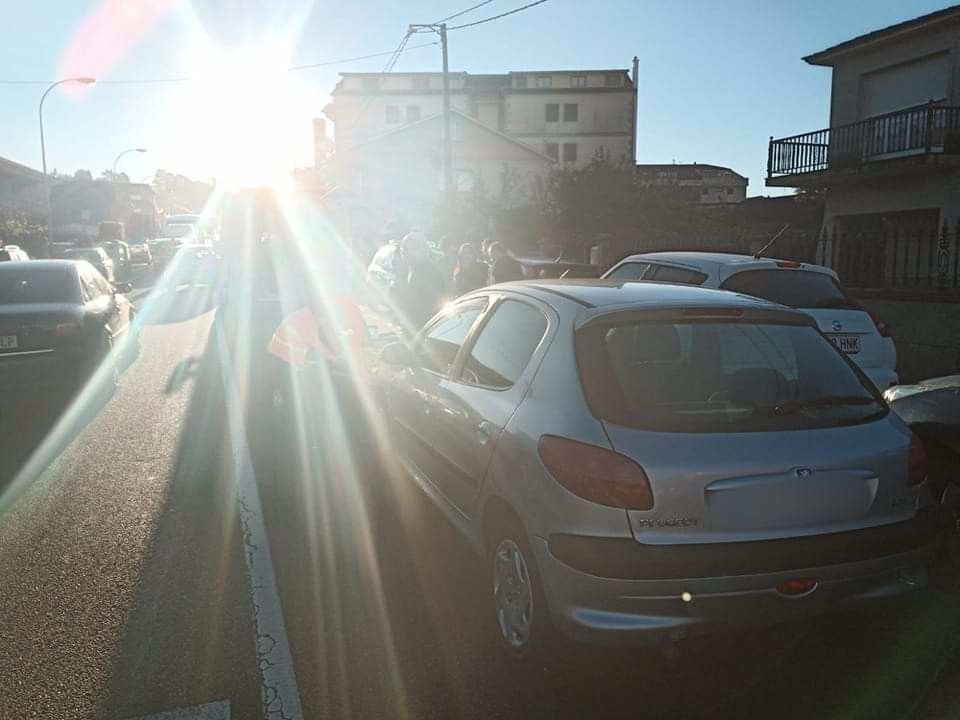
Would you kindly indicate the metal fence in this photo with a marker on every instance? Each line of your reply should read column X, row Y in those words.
column 923, row 258
column 916, row 131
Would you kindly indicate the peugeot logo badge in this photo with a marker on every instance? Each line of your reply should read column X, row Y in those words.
column 837, row 326
column 804, row 472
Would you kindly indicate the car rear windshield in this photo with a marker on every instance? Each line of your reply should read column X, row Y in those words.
column 27, row 283
column 720, row 376
column 793, row 288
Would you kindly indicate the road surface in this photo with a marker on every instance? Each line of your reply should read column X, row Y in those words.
column 175, row 543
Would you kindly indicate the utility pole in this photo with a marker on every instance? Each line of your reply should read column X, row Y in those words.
column 441, row 30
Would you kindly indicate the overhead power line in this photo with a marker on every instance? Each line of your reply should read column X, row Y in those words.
column 497, row 17
column 294, row 68
column 463, row 12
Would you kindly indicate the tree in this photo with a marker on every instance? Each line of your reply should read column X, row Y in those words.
column 83, row 175
column 179, row 194
column 111, row 176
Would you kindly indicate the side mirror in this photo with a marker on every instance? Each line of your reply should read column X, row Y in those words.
column 398, row 354
column 124, row 287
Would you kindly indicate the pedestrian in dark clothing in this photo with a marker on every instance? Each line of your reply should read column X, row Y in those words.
column 470, row 273
column 504, row 267
column 421, row 289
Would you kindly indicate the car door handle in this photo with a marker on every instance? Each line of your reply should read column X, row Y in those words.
column 485, row 431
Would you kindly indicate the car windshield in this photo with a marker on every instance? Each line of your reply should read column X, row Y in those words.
column 793, row 288
column 177, row 231
column 24, row 283
column 720, row 377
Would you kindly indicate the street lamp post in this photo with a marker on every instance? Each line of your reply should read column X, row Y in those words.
column 128, row 150
column 43, row 147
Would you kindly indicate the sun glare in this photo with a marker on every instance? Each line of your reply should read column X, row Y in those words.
column 246, row 116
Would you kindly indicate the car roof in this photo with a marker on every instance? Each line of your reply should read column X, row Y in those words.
column 44, row 264
column 589, row 292
column 715, row 260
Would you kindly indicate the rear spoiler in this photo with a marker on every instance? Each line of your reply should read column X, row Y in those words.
column 626, row 314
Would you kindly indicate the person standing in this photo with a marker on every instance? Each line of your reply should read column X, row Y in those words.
column 504, row 267
column 421, row 289
column 469, row 273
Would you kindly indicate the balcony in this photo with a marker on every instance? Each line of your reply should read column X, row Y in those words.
column 906, row 135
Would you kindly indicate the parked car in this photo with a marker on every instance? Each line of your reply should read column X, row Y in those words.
column 815, row 289
column 931, row 408
column 13, row 253
column 59, row 319
column 119, row 252
column 641, row 462
column 140, row 254
column 171, row 237
column 97, row 257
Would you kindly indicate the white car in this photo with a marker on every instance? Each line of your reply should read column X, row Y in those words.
column 814, row 289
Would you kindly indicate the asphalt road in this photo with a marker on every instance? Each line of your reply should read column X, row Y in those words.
column 132, row 578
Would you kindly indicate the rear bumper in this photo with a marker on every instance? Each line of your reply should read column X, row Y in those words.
column 643, row 611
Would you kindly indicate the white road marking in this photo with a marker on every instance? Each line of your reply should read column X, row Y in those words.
column 279, row 693
column 209, row 711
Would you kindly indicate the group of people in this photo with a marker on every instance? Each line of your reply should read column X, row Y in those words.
column 423, row 284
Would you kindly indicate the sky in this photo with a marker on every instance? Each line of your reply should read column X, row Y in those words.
column 717, row 78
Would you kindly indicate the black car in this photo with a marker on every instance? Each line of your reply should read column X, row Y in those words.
column 59, row 319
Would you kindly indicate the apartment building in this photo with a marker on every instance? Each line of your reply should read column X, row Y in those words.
column 568, row 115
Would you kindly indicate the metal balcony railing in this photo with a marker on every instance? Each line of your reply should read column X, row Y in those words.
column 921, row 130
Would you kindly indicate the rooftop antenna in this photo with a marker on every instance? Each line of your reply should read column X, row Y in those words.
column 766, row 247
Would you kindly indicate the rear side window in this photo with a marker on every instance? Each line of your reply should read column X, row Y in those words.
column 670, row 274
column 720, row 376
column 628, row 271
column 793, row 288
column 442, row 341
column 505, row 345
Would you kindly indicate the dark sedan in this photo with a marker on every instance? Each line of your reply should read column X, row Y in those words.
column 59, row 320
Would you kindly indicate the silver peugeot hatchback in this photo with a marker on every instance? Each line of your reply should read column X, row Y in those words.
column 639, row 462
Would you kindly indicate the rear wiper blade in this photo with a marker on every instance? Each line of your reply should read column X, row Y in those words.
column 791, row 406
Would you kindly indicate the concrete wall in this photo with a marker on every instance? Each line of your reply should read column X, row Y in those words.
column 361, row 117
column 905, row 191
column 846, row 90
column 927, row 335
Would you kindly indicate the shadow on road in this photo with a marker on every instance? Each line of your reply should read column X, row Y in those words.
column 189, row 639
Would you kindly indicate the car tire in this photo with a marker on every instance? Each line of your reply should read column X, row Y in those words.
column 520, row 618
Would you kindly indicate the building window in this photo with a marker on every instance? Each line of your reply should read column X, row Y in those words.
column 552, row 150
column 729, row 191
column 421, row 83
column 613, row 80
column 569, row 112
column 578, row 81
column 569, row 152
column 370, row 83
column 413, row 113
column 393, row 114
column 704, row 190
column 520, row 81
column 553, row 112
column 544, row 81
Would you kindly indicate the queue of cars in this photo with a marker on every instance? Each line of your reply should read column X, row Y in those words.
column 638, row 459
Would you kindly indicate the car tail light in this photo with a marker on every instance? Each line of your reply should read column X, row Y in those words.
column 711, row 312
column 882, row 327
column 66, row 328
column 917, row 463
column 596, row 474
column 788, row 264
column 795, row 587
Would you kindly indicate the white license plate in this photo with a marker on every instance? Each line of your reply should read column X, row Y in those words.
column 850, row 344
column 8, row 342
